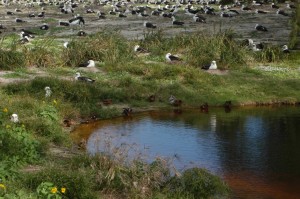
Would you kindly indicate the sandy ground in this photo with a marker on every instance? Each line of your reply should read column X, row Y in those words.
column 132, row 26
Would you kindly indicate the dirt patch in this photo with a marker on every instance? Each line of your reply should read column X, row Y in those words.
column 132, row 26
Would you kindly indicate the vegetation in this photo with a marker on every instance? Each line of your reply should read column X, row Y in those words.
column 128, row 79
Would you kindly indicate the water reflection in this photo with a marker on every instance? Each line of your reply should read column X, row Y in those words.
column 255, row 150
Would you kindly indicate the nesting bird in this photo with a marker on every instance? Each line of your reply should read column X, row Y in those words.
column 149, row 25
column 83, row 79
column 139, row 49
column 88, row 64
column 48, row 91
column 14, row 118
column 212, row 66
column 285, row 49
column 171, row 58
column 175, row 22
column 261, row 28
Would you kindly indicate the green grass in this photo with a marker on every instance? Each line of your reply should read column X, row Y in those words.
column 128, row 80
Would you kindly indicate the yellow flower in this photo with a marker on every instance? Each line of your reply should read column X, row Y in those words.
column 7, row 126
column 2, row 186
column 23, row 126
column 54, row 190
column 54, row 102
column 5, row 110
column 63, row 189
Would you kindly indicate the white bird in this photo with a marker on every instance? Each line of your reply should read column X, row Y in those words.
column 88, row 64
column 14, row 118
column 48, row 91
column 212, row 66
column 66, row 44
column 84, row 79
column 170, row 57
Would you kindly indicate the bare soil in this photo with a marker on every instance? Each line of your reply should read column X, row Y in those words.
column 132, row 26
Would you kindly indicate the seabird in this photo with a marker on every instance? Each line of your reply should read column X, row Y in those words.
column 64, row 23
column 24, row 40
column 285, row 49
column 290, row 6
column 178, row 23
column 42, row 14
column 77, row 20
column 257, row 47
column 44, row 27
column 18, row 10
column 274, row 6
column 170, row 57
column 10, row 13
column 199, row 18
column 225, row 14
column 48, row 91
column 245, row 8
column 212, row 66
column 66, row 44
column 31, row 15
column 83, row 79
column 88, row 64
column 261, row 28
column 81, row 33
column 149, row 25
column 281, row 12
column 19, row 20
column 14, row 118
column 260, row 11
column 139, row 49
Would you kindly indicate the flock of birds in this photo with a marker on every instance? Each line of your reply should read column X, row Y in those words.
column 199, row 10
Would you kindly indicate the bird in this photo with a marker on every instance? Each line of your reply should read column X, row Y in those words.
column 199, row 18
column 31, row 15
column 83, row 79
column 226, row 14
column 257, row 47
column 139, row 49
column 175, row 102
column 274, row 6
column 261, row 28
column 245, row 8
column 281, row 12
column 204, row 107
column 48, row 91
column 285, row 49
column 77, row 20
column 149, row 25
column 88, row 64
column 213, row 66
column 14, row 118
column 63, row 23
column 42, row 14
column 66, row 44
column 24, row 40
column 81, row 33
column 44, row 27
column 19, row 20
column 127, row 111
column 171, row 58
column 290, row 6
column 227, row 106
column 260, row 11
column 10, row 13
column 175, row 22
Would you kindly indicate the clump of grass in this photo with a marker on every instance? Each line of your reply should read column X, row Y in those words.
column 108, row 47
column 295, row 22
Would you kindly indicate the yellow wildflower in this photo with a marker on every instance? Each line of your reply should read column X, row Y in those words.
column 63, row 189
column 5, row 110
column 2, row 186
column 7, row 126
column 54, row 190
column 54, row 102
column 23, row 126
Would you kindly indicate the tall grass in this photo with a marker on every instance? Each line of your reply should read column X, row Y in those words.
column 295, row 22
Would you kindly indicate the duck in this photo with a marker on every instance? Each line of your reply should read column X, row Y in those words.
column 127, row 111
column 204, row 107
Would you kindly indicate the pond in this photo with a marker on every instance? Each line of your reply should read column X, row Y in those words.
column 255, row 150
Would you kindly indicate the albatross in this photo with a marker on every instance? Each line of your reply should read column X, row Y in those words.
column 83, row 79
